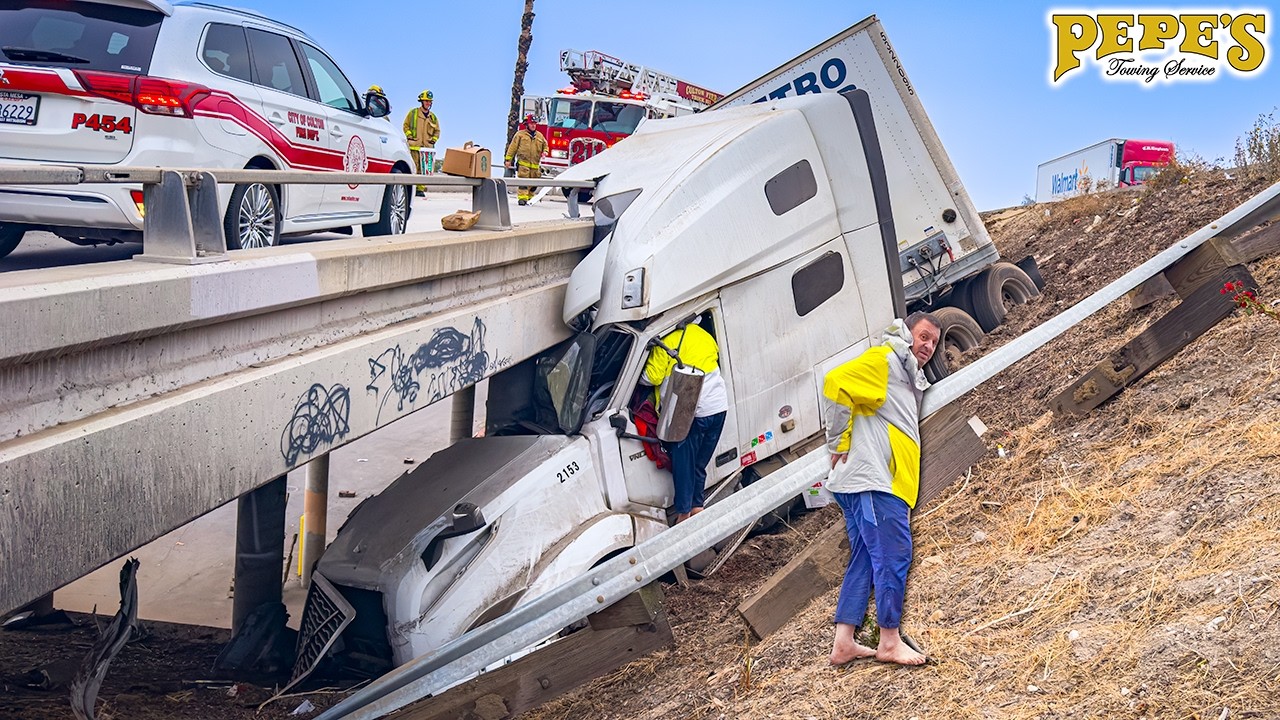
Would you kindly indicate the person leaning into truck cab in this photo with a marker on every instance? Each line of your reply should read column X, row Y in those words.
column 873, row 435
column 422, row 129
column 689, row 457
column 524, row 154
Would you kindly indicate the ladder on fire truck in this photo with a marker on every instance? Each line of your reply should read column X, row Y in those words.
column 598, row 72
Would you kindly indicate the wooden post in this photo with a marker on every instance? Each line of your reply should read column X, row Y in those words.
column 949, row 445
column 1199, row 311
column 559, row 667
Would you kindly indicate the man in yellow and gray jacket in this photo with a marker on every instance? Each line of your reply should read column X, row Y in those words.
column 422, row 129
column 525, row 154
column 873, row 435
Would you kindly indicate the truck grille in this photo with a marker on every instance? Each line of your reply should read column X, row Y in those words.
column 325, row 616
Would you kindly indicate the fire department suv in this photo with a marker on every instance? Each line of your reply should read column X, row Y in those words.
column 143, row 83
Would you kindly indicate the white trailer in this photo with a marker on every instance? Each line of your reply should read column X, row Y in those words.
column 941, row 239
column 1061, row 177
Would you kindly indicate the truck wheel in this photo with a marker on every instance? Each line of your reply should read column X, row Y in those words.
column 253, row 217
column 394, row 215
column 10, row 236
column 960, row 333
column 997, row 289
column 1029, row 266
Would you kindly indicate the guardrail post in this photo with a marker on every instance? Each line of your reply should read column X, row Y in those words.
column 489, row 198
column 182, row 225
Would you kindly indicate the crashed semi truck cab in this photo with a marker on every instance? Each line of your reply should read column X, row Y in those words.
column 769, row 225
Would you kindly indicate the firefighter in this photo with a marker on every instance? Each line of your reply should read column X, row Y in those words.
column 525, row 155
column 422, row 130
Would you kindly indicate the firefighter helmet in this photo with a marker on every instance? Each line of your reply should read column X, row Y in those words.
column 425, row 95
column 529, row 118
column 376, row 90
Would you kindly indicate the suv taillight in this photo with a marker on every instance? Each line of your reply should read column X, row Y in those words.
column 156, row 96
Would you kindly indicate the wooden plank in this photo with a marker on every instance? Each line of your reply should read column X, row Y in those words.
column 1209, row 259
column 638, row 608
column 948, row 446
column 1153, row 289
column 813, row 572
column 1262, row 242
column 545, row 674
column 1200, row 311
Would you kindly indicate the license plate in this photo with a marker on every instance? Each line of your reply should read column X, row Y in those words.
column 19, row 108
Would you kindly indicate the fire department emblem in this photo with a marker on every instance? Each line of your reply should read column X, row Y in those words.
column 356, row 159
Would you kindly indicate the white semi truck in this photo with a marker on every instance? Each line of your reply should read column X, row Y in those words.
column 777, row 226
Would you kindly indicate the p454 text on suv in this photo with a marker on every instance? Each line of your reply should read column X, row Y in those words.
column 141, row 83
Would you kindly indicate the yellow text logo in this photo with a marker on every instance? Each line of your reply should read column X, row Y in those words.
column 1154, row 46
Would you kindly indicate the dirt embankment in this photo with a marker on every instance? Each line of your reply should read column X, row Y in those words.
column 1119, row 565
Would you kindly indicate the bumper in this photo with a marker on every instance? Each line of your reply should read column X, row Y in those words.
column 72, row 206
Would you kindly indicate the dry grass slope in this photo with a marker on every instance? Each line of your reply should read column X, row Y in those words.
column 1119, row 565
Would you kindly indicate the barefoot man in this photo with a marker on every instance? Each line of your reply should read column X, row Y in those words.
column 873, row 434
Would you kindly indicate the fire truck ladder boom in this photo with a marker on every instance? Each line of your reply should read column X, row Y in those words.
column 611, row 75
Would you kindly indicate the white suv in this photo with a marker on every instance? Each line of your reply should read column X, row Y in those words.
column 145, row 83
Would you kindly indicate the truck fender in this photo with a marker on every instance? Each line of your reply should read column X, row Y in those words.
column 597, row 540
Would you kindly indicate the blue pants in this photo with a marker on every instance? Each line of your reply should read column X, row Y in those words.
column 880, row 554
column 689, row 459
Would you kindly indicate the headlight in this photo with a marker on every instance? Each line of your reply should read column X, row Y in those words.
column 560, row 154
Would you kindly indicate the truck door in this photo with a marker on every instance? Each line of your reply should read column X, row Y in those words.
column 646, row 483
column 781, row 326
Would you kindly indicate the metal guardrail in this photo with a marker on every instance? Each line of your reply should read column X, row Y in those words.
column 470, row 653
column 183, row 224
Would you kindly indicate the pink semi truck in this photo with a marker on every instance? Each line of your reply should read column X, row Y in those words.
column 1113, row 163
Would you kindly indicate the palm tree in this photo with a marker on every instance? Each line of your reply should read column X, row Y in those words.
column 522, row 64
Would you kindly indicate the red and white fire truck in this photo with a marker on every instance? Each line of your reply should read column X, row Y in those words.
column 604, row 102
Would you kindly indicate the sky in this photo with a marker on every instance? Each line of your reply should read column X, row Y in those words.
column 981, row 68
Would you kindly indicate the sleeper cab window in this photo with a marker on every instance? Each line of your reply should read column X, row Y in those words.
column 790, row 188
column 817, row 282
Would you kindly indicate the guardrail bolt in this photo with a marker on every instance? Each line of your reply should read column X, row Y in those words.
column 545, row 683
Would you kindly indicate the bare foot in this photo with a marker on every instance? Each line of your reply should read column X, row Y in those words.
column 695, row 511
column 846, row 648
column 842, row 653
column 681, row 517
column 893, row 650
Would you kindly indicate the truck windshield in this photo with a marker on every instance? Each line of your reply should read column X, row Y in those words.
column 83, row 35
column 617, row 117
column 1143, row 174
column 565, row 378
column 572, row 114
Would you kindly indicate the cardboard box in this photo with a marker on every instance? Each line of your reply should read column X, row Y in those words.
column 816, row 496
column 470, row 160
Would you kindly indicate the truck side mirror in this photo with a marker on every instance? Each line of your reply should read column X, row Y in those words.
column 618, row 422
column 466, row 518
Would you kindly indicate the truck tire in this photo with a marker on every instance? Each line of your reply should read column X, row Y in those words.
column 10, row 236
column 959, row 333
column 1029, row 266
column 393, row 217
column 997, row 289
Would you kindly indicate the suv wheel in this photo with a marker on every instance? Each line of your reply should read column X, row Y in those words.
column 253, row 217
column 394, row 215
column 10, row 236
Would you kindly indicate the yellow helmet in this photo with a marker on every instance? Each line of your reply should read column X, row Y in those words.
column 376, row 89
column 425, row 95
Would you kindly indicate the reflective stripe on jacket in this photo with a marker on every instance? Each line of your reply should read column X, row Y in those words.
column 873, row 413
column 420, row 129
column 527, row 149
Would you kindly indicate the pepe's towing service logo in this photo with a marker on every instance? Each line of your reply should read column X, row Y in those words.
column 1154, row 46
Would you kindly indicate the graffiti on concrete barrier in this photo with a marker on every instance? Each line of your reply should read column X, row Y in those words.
column 321, row 416
column 449, row 361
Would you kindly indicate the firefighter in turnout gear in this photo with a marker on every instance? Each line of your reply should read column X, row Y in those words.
column 422, row 129
column 525, row 155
